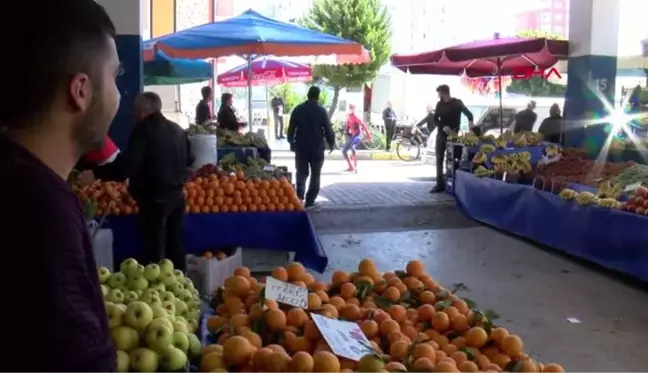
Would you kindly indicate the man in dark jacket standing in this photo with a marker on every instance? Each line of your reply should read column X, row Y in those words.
column 155, row 163
column 309, row 127
column 389, row 117
column 277, row 105
column 447, row 116
column 525, row 119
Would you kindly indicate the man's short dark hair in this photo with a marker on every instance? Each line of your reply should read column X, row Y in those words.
column 152, row 101
column 225, row 97
column 206, row 91
column 443, row 88
column 313, row 93
column 61, row 39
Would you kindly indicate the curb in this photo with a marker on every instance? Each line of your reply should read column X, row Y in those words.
column 337, row 156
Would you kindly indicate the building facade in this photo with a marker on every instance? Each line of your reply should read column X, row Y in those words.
column 544, row 15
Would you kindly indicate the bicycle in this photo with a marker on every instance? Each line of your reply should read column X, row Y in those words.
column 412, row 139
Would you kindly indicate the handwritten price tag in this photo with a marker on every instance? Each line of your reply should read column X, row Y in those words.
column 286, row 293
column 345, row 338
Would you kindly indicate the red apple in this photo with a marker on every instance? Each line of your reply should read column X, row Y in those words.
column 639, row 201
column 642, row 191
column 631, row 208
column 631, row 201
column 640, row 210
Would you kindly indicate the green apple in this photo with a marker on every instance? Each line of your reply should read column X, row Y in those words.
column 168, row 279
column 131, row 296
column 144, row 360
column 193, row 305
column 173, row 360
column 104, row 274
column 128, row 263
column 115, row 296
column 178, row 274
column 181, row 308
column 192, row 325
column 159, row 313
column 195, row 293
column 115, row 315
column 186, row 296
column 177, row 289
column 181, row 341
column 161, row 322
column 187, row 282
column 123, row 361
column 195, row 347
column 166, row 266
column 152, row 272
column 169, row 306
column 121, row 306
column 193, row 315
column 125, row 337
column 137, row 283
column 147, row 293
column 104, row 290
column 159, row 337
column 181, row 319
column 168, row 296
column 138, row 315
column 154, row 301
column 116, row 280
column 180, row 327
column 134, row 271
column 157, row 286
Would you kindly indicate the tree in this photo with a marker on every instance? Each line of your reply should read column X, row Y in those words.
column 537, row 86
column 364, row 21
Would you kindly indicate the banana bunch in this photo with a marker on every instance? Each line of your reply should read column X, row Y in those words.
column 609, row 203
column 567, row 194
column 487, row 148
column 523, row 166
column 534, row 138
column 608, row 189
column 501, row 143
column 552, row 150
column 469, row 139
column 586, row 198
column 488, row 138
column 482, row 171
column 500, row 163
column 453, row 136
column 479, row 158
column 507, row 135
column 196, row 129
column 521, row 140
column 524, row 156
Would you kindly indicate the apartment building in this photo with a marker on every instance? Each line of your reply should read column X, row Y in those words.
column 545, row 15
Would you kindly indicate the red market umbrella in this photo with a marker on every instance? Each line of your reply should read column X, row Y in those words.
column 495, row 57
column 266, row 71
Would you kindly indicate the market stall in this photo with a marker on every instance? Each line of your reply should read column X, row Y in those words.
column 229, row 205
column 591, row 209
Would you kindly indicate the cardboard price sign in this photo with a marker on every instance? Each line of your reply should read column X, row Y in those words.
column 345, row 338
column 286, row 293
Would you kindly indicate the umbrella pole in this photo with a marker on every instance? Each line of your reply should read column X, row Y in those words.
column 499, row 83
column 249, row 60
column 267, row 109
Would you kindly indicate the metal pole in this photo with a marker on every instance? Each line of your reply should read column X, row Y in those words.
column 499, row 82
column 249, row 61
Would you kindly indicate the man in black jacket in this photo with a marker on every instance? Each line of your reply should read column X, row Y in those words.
column 447, row 116
column 203, row 110
column 155, row 163
column 277, row 105
column 525, row 119
column 309, row 127
column 389, row 117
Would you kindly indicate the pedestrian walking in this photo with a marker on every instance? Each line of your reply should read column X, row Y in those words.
column 309, row 131
column 389, row 118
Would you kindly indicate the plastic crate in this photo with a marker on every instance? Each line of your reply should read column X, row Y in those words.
column 261, row 261
column 102, row 247
column 208, row 274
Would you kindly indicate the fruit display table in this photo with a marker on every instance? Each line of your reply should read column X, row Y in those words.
column 589, row 232
column 242, row 154
column 285, row 231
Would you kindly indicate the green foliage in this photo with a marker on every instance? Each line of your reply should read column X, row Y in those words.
column 537, row 86
column 288, row 94
column 364, row 21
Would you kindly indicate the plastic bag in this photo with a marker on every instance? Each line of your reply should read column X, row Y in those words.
column 204, row 149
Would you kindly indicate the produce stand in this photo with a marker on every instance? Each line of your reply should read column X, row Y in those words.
column 292, row 231
column 587, row 232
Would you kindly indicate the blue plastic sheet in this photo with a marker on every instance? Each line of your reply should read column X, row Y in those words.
column 611, row 238
column 288, row 231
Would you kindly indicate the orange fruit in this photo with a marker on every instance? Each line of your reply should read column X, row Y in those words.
column 512, row 345
column 367, row 267
column 239, row 285
column 348, row 291
column 324, row 361
column 500, row 360
column 423, row 350
column 295, row 271
column 440, row 321
column 397, row 312
column 211, row 361
column 275, row 319
column 369, row 328
column 392, row 294
column 296, row 317
column 389, row 326
column 237, row 350
column 553, row 368
column 314, row 301
column 301, row 362
column 339, row 278
column 399, row 350
column 425, row 312
column 476, row 337
column 468, row 366
column 415, row 268
column 350, row 312
column 277, row 362
column 211, row 348
column 422, row 365
column 459, row 323
column 395, row 366
column 446, row 366
column 498, row 335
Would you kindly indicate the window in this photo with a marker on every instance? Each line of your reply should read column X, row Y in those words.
column 558, row 17
column 546, row 17
column 558, row 4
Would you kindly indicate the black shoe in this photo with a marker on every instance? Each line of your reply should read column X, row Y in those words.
column 311, row 205
column 387, row 149
column 439, row 188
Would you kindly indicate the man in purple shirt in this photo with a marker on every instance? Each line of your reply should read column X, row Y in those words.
column 63, row 99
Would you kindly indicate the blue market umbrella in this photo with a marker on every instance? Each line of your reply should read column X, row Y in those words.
column 251, row 34
column 164, row 70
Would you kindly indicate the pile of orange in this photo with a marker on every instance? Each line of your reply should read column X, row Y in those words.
column 212, row 194
column 234, row 193
column 412, row 323
column 112, row 198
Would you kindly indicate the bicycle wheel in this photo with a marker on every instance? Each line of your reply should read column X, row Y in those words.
column 408, row 150
column 377, row 140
